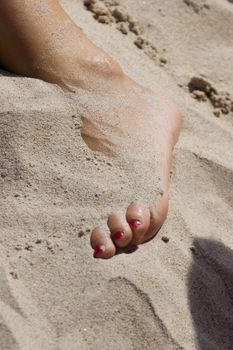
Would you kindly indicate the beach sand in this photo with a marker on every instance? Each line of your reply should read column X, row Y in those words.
column 173, row 293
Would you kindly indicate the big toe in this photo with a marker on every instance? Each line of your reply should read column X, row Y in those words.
column 158, row 215
column 138, row 218
column 102, row 244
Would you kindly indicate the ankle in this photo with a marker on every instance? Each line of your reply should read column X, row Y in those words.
column 72, row 68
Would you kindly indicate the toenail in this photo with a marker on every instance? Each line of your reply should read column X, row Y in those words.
column 134, row 223
column 99, row 249
column 118, row 235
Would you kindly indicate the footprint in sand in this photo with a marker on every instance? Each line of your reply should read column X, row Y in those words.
column 108, row 320
column 112, row 321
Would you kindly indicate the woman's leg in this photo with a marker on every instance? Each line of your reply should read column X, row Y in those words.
column 38, row 39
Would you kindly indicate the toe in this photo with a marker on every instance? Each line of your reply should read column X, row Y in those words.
column 102, row 245
column 138, row 218
column 120, row 230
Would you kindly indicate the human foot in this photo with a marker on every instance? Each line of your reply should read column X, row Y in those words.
column 120, row 119
column 147, row 127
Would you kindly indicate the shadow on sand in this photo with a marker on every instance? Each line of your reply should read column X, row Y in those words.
column 210, row 292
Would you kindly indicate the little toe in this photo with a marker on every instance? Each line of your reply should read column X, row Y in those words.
column 102, row 245
column 138, row 218
column 120, row 230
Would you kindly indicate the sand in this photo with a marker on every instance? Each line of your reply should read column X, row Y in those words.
column 176, row 292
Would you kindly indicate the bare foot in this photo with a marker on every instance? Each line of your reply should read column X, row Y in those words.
column 120, row 117
column 146, row 124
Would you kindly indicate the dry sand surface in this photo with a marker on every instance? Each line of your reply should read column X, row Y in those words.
column 170, row 294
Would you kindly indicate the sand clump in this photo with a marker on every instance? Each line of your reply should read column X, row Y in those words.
column 110, row 12
column 165, row 239
column 202, row 90
column 197, row 6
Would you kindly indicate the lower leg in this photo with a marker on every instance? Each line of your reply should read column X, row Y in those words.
column 38, row 39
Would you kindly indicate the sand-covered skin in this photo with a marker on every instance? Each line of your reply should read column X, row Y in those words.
column 173, row 293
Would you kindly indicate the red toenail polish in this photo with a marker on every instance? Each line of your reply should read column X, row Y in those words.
column 134, row 223
column 118, row 235
column 98, row 249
